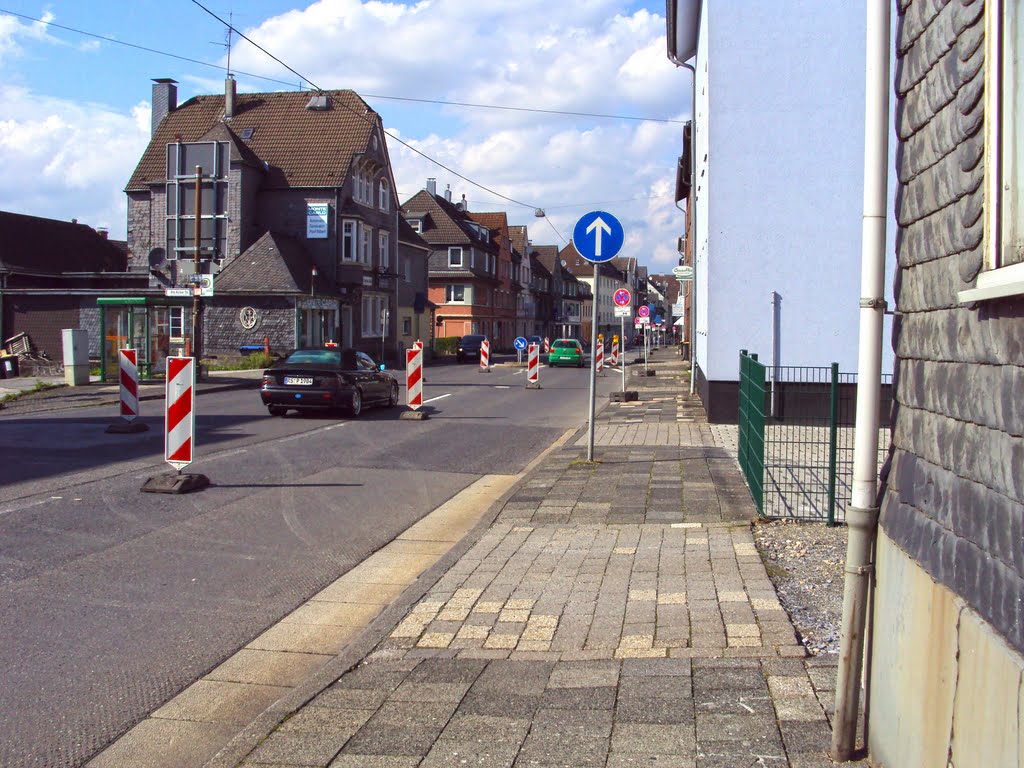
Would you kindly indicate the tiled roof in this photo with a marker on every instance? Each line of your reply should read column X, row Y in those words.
column 274, row 264
column 520, row 240
column 303, row 147
column 34, row 244
column 445, row 224
column 409, row 236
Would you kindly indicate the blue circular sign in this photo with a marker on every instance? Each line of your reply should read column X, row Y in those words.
column 598, row 236
column 519, row 343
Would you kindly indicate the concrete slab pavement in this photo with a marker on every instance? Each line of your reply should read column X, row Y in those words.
column 616, row 613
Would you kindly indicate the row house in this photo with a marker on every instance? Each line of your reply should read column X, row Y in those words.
column 609, row 280
column 542, row 290
column 568, row 293
column 463, row 270
column 298, row 224
column 526, row 293
column 507, row 291
column 671, row 291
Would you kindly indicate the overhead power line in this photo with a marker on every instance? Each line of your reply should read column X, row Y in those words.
column 387, row 97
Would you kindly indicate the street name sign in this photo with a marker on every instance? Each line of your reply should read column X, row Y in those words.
column 598, row 236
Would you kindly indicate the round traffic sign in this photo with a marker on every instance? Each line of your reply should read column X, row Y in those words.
column 621, row 298
column 598, row 236
column 644, row 310
column 519, row 343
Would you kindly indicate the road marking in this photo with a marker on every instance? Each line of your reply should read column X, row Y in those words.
column 439, row 397
column 225, row 454
column 503, row 386
column 301, row 435
column 19, row 507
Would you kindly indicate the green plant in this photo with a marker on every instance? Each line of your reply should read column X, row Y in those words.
column 249, row 362
column 446, row 345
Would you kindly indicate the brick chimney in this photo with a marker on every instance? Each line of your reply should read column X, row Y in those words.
column 229, row 97
column 165, row 100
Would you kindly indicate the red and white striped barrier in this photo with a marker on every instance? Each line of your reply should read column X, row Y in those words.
column 599, row 352
column 613, row 360
column 533, row 367
column 547, row 345
column 129, row 384
column 414, row 377
column 179, row 422
column 485, row 356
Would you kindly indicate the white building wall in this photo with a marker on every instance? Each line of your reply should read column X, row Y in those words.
column 781, row 120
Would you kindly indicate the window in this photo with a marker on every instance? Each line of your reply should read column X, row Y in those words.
column 366, row 245
column 455, row 294
column 373, row 315
column 349, row 239
column 407, row 269
column 177, row 323
column 384, row 195
column 416, row 224
column 180, row 213
column 455, row 256
column 1003, row 269
column 407, row 326
column 383, row 249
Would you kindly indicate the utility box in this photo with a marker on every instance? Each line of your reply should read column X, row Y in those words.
column 76, row 356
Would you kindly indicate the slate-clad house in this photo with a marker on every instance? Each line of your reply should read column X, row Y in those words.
column 299, row 220
column 947, row 667
column 463, row 271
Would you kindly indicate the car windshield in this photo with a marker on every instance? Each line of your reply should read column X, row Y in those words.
column 565, row 344
column 472, row 339
column 314, row 357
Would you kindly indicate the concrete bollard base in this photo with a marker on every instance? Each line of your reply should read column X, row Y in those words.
column 414, row 416
column 172, row 482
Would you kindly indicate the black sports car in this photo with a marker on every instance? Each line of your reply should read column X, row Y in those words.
column 327, row 379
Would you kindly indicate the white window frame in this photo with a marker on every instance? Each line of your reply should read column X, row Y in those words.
column 384, row 248
column 384, row 195
column 349, row 240
column 449, row 293
column 452, row 249
column 372, row 308
column 366, row 244
column 176, row 316
column 995, row 280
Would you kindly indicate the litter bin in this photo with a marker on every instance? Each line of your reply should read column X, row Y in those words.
column 10, row 366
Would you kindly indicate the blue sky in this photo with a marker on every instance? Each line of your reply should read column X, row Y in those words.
column 74, row 110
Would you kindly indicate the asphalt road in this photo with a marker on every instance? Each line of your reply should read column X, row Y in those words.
column 113, row 600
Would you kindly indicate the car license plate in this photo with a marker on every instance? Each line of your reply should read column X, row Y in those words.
column 301, row 381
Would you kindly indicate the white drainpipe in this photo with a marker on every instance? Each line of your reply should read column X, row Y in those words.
column 862, row 515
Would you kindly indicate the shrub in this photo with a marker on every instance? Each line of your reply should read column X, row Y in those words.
column 446, row 345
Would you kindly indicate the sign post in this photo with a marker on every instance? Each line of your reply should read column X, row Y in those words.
column 597, row 237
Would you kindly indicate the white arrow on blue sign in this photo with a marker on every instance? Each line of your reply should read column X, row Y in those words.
column 598, row 236
column 519, row 343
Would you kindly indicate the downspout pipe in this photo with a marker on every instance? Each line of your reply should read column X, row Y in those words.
column 692, row 206
column 862, row 515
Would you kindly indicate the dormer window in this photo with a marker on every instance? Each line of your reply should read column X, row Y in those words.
column 455, row 256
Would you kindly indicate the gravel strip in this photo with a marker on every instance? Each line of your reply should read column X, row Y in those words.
column 805, row 563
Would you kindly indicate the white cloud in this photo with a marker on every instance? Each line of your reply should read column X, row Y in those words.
column 68, row 160
column 589, row 57
column 594, row 57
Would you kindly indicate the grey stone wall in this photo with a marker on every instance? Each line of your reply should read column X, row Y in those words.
column 224, row 331
column 953, row 496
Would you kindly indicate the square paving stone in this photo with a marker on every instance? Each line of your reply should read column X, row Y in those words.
column 350, row 698
column 579, row 698
column 554, row 749
column 447, row 753
column 660, row 739
column 380, row 739
column 500, row 730
column 655, row 711
column 374, row 761
column 727, row 701
column 506, row 705
column 594, row 723
column 314, row 719
column 801, row 737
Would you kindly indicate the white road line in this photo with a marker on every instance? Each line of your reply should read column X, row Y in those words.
column 301, row 435
column 19, row 507
column 439, row 397
column 503, row 386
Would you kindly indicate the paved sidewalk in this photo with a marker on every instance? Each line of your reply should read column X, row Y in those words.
column 615, row 613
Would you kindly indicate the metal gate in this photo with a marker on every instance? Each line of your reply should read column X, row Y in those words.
column 796, row 436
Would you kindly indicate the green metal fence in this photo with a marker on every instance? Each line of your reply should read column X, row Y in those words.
column 751, row 424
column 808, row 436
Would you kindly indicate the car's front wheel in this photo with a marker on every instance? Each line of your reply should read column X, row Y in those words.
column 355, row 407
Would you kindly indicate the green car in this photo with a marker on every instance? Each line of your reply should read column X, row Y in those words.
column 566, row 352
